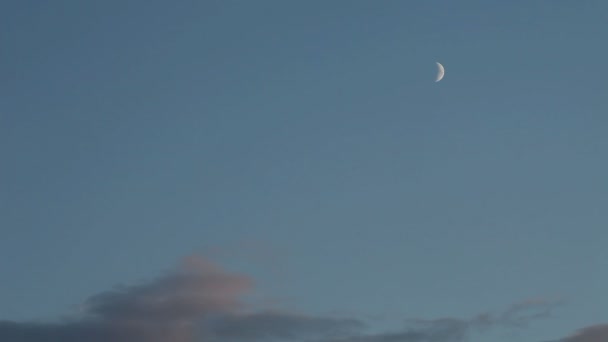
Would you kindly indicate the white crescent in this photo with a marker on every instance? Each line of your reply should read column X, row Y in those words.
column 440, row 72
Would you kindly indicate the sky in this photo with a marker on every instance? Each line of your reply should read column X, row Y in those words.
column 231, row 171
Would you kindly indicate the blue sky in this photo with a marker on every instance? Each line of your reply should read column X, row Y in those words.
column 307, row 146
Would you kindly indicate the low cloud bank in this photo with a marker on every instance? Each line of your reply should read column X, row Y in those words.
column 200, row 302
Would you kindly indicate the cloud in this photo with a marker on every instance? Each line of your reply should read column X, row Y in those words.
column 165, row 309
column 90, row 332
column 197, row 302
column 200, row 302
column 196, row 289
column 452, row 329
column 594, row 333
column 282, row 326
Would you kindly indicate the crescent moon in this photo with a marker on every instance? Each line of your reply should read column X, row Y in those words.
column 440, row 72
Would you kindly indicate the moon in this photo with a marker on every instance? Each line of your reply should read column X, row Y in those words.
column 440, row 72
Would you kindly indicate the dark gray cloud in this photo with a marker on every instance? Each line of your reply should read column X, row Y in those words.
column 163, row 310
column 91, row 332
column 269, row 326
column 594, row 333
column 196, row 302
column 199, row 302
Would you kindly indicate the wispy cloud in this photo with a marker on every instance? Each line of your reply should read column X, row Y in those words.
column 451, row 329
column 201, row 302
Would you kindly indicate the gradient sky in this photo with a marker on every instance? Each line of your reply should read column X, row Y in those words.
column 306, row 145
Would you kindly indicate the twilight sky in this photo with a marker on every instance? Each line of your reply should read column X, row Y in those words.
column 231, row 171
